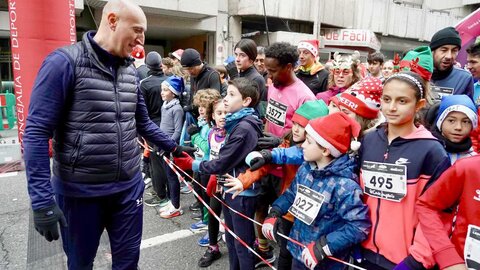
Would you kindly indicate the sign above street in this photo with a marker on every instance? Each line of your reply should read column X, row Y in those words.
column 350, row 37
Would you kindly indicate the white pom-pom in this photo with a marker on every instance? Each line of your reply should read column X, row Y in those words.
column 355, row 145
column 251, row 156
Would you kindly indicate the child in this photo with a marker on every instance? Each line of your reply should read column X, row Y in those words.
column 456, row 118
column 309, row 110
column 216, row 139
column 243, row 130
column 199, row 136
column 171, row 123
column 324, row 197
column 396, row 161
column 457, row 186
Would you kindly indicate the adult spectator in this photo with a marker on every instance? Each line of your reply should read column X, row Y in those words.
column 176, row 56
column 446, row 78
column 310, row 71
column 86, row 97
column 260, row 62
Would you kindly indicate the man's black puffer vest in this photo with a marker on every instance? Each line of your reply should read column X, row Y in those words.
column 96, row 140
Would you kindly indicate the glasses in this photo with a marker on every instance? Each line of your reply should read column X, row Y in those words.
column 345, row 72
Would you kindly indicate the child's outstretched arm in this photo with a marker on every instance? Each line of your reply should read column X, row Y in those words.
column 292, row 156
column 245, row 180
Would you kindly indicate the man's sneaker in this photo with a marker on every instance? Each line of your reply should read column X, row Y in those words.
column 185, row 190
column 199, row 226
column 164, row 207
column 197, row 215
column 154, row 201
column 196, row 206
column 267, row 255
column 209, row 257
column 171, row 211
column 205, row 240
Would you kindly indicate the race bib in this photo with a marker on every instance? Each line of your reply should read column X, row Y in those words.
column 199, row 154
column 472, row 248
column 439, row 92
column 307, row 204
column 385, row 181
column 276, row 112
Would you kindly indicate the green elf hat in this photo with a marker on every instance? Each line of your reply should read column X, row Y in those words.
column 420, row 61
column 310, row 110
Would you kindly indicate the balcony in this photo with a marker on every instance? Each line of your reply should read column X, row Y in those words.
column 287, row 9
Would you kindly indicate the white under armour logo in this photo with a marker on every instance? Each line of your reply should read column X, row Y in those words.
column 477, row 198
column 139, row 201
column 402, row 161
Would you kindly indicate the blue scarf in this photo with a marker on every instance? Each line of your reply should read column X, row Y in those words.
column 232, row 119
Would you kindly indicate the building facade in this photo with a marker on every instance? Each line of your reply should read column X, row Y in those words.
column 214, row 26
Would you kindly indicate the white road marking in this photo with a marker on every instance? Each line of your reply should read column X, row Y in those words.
column 168, row 237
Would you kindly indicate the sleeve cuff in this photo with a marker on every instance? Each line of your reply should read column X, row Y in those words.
column 448, row 257
column 196, row 165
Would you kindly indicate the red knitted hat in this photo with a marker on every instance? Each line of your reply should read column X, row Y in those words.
column 310, row 45
column 363, row 98
column 334, row 132
column 138, row 52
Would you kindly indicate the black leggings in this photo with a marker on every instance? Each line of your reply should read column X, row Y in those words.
column 213, row 224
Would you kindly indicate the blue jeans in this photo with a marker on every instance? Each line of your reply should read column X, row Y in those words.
column 239, row 256
column 121, row 214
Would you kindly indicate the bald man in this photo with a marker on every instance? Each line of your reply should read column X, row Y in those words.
column 86, row 97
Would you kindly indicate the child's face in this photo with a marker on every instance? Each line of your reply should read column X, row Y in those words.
column 312, row 152
column 166, row 94
column 201, row 112
column 332, row 108
column 219, row 114
column 233, row 101
column 456, row 127
column 298, row 133
column 399, row 103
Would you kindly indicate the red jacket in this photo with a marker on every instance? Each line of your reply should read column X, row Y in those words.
column 475, row 136
column 459, row 184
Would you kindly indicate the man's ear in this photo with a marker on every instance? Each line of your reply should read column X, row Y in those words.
column 246, row 102
column 112, row 20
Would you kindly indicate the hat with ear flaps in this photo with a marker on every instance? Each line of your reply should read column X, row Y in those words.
column 420, row 61
column 335, row 132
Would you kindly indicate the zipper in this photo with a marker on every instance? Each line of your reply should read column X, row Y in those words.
column 385, row 157
column 117, row 122
column 76, row 150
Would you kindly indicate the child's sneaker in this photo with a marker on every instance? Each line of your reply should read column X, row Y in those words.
column 205, row 240
column 267, row 255
column 196, row 215
column 185, row 190
column 164, row 207
column 199, row 226
column 196, row 206
column 209, row 257
column 171, row 212
column 154, row 201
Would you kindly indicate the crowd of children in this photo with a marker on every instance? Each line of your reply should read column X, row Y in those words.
column 373, row 169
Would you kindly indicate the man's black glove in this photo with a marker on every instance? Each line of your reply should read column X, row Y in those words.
column 188, row 108
column 177, row 152
column 268, row 141
column 258, row 162
column 46, row 220
column 193, row 129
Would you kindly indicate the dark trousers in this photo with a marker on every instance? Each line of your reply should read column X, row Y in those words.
column 213, row 224
column 173, row 185
column 158, row 174
column 284, row 257
column 203, row 193
column 121, row 214
column 239, row 256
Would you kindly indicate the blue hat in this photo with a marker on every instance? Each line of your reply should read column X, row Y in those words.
column 174, row 84
column 456, row 103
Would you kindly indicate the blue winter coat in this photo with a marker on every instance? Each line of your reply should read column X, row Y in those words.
column 343, row 218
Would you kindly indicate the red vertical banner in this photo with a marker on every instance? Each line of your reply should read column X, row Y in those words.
column 36, row 29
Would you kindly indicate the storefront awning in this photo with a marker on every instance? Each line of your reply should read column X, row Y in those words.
column 350, row 38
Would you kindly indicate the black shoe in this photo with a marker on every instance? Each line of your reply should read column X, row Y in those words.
column 197, row 215
column 209, row 257
column 196, row 206
column 267, row 255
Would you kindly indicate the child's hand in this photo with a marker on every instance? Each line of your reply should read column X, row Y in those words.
column 235, row 185
column 268, row 141
column 312, row 254
column 269, row 228
column 193, row 129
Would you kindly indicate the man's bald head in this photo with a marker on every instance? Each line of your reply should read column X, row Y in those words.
column 122, row 27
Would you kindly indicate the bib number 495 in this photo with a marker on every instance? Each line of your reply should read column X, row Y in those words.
column 381, row 182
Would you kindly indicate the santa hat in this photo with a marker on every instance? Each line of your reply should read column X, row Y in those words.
column 456, row 103
column 310, row 45
column 363, row 98
column 420, row 61
column 310, row 110
column 335, row 132
column 138, row 52
column 175, row 84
